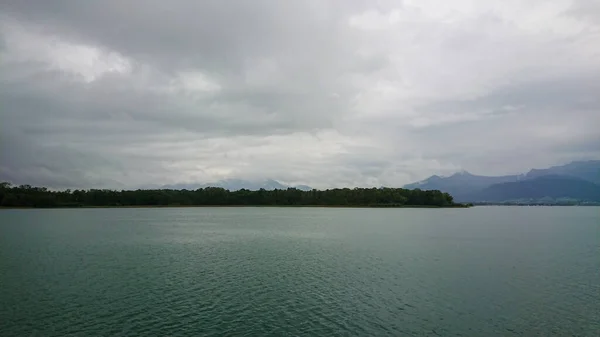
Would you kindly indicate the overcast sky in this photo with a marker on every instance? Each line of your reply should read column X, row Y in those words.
column 128, row 93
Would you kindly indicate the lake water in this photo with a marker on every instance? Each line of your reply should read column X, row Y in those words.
column 484, row 271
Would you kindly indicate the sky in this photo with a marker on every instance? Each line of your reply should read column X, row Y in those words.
column 133, row 93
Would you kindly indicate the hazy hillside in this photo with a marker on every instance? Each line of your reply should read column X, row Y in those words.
column 551, row 186
column 576, row 180
column 586, row 170
column 460, row 185
column 238, row 184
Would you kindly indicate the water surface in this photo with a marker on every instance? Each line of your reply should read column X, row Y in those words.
column 484, row 271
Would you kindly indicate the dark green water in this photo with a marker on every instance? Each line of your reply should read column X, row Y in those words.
column 484, row 271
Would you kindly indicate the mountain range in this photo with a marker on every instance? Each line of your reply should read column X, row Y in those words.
column 238, row 184
column 575, row 182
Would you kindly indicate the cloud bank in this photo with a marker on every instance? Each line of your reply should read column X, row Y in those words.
column 123, row 94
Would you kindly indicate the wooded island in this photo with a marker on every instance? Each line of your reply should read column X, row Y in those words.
column 28, row 196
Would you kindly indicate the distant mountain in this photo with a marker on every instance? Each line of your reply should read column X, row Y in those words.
column 303, row 187
column 461, row 185
column 549, row 187
column 238, row 184
column 468, row 187
column 586, row 170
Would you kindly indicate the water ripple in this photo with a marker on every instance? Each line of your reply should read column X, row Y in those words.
column 310, row 272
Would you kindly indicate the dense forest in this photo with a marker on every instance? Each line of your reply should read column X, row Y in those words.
column 28, row 196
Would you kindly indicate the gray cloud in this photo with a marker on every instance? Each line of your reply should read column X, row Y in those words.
column 133, row 93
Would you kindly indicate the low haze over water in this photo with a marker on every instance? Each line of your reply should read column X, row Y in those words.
column 483, row 271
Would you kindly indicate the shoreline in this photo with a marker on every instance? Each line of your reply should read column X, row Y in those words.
column 239, row 206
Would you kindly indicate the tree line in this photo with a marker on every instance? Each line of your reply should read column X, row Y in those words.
column 29, row 196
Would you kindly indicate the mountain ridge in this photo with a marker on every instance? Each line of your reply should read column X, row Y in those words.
column 238, row 184
column 550, row 187
column 467, row 187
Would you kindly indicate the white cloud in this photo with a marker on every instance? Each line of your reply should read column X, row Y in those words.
column 29, row 46
column 324, row 94
column 194, row 82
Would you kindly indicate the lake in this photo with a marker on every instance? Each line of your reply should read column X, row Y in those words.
column 483, row 271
